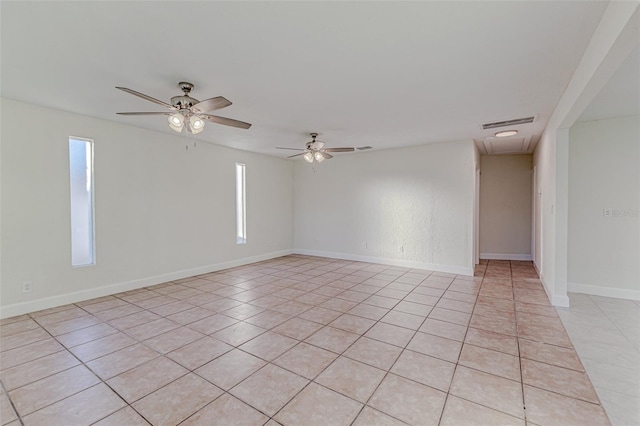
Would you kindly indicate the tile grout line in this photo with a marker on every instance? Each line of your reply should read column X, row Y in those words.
column 455, row 368
column 58, row 372
column 119, row 330
column 323, row 325
column 477, row 403
column 338, row 357
column 12, row 404
column 103, row 381
column 267, row 362
column 515, row 312
column 219, row 312
column 612, row 322
column 365, row 404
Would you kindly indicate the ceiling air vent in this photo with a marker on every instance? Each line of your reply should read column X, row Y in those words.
column 507, row 123
column 362, row 148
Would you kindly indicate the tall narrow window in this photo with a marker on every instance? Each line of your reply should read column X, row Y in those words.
column 241, row 205
column 81, row 182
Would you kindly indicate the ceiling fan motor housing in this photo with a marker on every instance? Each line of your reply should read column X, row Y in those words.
column 313, row 144
column 183, row 102
column 186, row 87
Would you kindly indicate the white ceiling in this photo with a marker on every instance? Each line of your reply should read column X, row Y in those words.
column 384, row 74
column 621, row 95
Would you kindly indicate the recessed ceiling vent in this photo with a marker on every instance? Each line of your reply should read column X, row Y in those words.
column 506, row 123
column 362, row 148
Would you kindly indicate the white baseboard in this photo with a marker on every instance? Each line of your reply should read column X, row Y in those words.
column 505, row 256
column 560, row 301
column 79, row 296
column 555, row 299
column 597, row 290
column 384, row 261
column 538, row 271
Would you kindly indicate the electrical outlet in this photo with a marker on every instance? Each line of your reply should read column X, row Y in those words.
column 401, row 249
column 27, row 287
column 366, row 245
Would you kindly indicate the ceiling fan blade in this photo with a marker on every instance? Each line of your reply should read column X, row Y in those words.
column 143, row 96
column 339, row 149
column 143, row 113
column 326, row 155
column 225, row 121
column 293, row 149
column 212, row 104
column 295, row 155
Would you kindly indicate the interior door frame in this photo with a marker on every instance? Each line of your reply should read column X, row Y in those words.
column 533, row 213
column 476, row 220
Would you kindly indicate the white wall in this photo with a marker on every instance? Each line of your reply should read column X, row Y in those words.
column 614, row 38
column 544, row 257
column 604, row 173
column 410, row 206
column 162, row 212
column 505, row 207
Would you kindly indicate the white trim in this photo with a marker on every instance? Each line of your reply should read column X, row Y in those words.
column 556, row 300
column 598, row 290
column 78, row 296
column 505, row 256
column 534, row 200
column 385, row 261
column 560, row 301
column 476, row 219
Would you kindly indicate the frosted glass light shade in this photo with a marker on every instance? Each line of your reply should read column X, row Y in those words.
column 196, row 124
column 506, row 133
column 176, row 122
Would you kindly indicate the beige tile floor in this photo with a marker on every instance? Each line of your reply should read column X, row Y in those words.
column 302, row 340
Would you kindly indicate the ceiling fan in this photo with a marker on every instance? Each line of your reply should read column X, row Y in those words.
column 316, row 151
column 185, row 111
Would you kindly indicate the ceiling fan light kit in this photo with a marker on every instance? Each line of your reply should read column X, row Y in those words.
column 176, row 122
column 196, row 124
column 315, row 150
column 187, row 112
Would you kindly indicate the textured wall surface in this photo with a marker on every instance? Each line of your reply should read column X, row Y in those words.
column 411, row 206
column 505, row 205
column 159, row 208
column 604, row 200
